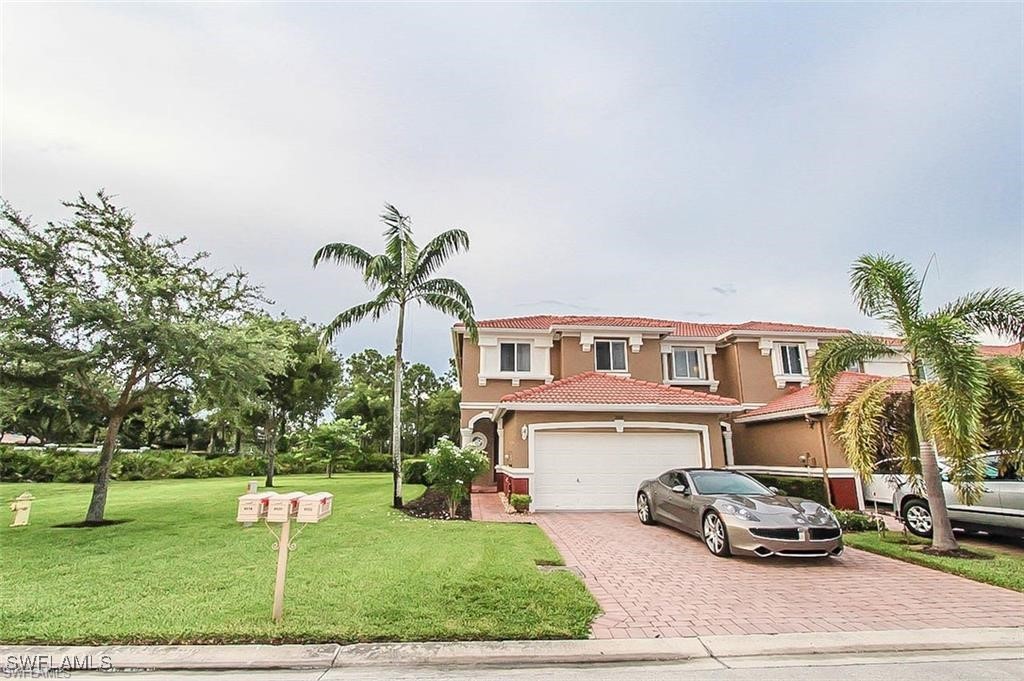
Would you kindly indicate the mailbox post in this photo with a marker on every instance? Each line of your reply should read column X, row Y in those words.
column 280, row 509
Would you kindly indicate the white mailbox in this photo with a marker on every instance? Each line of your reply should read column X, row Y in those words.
column 315, row 507
column 253, row 507
column 281, row 507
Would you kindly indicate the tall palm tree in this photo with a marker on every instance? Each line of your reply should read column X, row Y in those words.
column 951, row 384
column 401, row 275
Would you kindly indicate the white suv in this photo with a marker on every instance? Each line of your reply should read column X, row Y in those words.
column 1000, row 510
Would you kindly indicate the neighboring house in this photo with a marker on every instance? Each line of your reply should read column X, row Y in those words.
column 576, row 410
column 18, row 439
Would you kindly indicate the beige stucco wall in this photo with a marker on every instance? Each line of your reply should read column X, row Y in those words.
column 644, row 365
column 495, row 389
column 516, row 451
column 780, row 443
column 726, row 363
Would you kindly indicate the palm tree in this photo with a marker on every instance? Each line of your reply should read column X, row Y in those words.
column 401, row 275
column 951, row 385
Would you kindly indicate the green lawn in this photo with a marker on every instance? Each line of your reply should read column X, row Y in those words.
column 1002, row 569
column 184, row 571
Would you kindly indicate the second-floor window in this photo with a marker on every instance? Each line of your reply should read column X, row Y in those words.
column 687, row 363
column 515, row 357
column 792, row 360
column 610, row 355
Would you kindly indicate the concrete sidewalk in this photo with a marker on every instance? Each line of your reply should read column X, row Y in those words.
column 505, row 653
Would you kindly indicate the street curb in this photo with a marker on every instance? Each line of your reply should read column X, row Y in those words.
column 508, row 653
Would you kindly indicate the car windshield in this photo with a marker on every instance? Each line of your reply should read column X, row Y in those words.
column 724, row 482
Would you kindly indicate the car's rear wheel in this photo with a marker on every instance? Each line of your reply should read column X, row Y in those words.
column 644, row 510
column 715, row 536
column 918, row 517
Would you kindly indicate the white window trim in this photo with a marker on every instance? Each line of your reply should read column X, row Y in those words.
column 773, row 348
column 517, row 371
column 490, row 358
column 708, row 365
column 625, row 354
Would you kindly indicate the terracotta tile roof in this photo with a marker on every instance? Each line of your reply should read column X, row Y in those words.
column 592, row 387
column 783, row 327
column 701, row 330
column 543, row 322
column 806, row 398
column 1001, row 350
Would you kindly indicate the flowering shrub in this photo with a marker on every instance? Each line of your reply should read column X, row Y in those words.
column 451, row 469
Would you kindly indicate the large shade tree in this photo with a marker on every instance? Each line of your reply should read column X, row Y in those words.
column 300, row 391
column 92, row 296
column 952, row 390
column 401, row 275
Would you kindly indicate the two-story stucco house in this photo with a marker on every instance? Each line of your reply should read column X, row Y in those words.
column 576, row 410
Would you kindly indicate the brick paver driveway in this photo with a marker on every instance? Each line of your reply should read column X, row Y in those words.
column 656, row 582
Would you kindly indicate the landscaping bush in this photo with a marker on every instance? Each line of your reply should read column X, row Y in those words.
column 17, row 465
column 520, row 502
column 852, row 521
column 414, row 471
column 367, row 462
column 21, row 465
column 807, row 488
column 451, row 470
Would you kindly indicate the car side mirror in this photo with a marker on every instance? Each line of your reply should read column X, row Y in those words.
column 681, row 489
column 775, row 490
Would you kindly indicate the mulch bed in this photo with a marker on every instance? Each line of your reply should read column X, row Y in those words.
column 958, row 553
column 434, row 504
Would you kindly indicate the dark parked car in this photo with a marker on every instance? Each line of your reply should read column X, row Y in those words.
column 734, row 513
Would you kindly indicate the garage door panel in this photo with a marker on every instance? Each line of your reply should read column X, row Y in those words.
column 579, row 470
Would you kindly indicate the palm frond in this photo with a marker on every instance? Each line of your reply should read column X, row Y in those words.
column 437, row 251
column 447, row 287
column 382, row 270
column 452, row 307
column 398, row 242
column 886, row 288
column 957, row 435
column 995, row 310
column 836, row 356
column 374, row 309
column 1003, row 419
column 857, row 424
column 899, row 439
column 342, row 254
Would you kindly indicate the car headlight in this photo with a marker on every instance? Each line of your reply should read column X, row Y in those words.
column 825, row 516
column 738, row 511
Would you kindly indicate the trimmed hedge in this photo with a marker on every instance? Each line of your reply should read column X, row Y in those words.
column 807, row 488
column 21, row 465
column 414, row 471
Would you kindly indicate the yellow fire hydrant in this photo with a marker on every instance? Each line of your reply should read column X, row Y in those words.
column 22, row 506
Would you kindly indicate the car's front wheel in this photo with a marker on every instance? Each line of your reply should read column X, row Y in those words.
column 918, row 517
column 643, row 509
column 715, row 536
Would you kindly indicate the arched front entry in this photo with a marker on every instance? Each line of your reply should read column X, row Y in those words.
column 482, row 432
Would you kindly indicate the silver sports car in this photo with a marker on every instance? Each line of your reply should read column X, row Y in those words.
column 733, row 513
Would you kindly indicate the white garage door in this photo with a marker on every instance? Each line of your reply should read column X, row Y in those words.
column 592, row 471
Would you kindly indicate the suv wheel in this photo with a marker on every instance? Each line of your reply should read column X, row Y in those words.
column 918, row 517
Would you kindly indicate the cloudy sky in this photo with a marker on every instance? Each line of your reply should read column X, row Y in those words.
column 717, row 162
